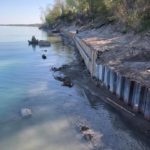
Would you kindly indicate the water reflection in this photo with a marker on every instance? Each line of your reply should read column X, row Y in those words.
column 29, row 83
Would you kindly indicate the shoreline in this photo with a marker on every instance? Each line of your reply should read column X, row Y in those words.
column 90, row 89
column 128, row 88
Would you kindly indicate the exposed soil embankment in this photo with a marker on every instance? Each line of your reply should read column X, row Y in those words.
column 127, row 53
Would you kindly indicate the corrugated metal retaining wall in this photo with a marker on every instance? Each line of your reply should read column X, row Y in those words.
column 131, row 92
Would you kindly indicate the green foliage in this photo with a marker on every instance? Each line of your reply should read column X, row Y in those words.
column 145, row 19
column 133, row 13
column 52, row 14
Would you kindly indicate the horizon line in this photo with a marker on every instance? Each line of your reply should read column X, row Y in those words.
column 21, row 24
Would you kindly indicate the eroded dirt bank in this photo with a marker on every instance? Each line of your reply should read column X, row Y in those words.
column 125, row 52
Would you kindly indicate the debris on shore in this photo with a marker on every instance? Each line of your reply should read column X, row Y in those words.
column 91, row 136
column 33, row 41
column 55, row 69
column 55, row 31
column 44, row 56
column 26, row 112
column 43, row 43
column 44, row 50
column 66, row 81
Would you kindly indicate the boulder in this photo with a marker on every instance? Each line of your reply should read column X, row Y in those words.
column 43, row 43
column 84, row 128
column 56, row 31
column 68, row 83
column 66, row 80
column 56, row 69
column 44, row 56
column 88, row 134
column 26, row 112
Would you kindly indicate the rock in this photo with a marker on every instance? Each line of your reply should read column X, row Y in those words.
column 56, row 31
column 84, row 128
column 43, row 43
column 33, row 43
column 26, row 112
column 56, row 69
column 59, row 78
column 65, row 66
column 44, row 56
column 44, row 50
column 66, row 81
column 88, row 135
column 148, row 70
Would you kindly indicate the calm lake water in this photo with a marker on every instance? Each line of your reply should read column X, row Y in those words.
column 27, row 81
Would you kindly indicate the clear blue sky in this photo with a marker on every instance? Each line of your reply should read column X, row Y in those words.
column 22, row 11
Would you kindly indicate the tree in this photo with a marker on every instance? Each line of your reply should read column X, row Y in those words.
column 133, row 13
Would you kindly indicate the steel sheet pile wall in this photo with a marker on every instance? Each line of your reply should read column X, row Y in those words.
column 86, row 54
column 130, row 92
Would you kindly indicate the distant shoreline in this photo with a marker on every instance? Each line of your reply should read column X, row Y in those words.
column 21, row 25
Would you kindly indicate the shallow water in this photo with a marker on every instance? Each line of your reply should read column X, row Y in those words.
column 27, row 81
